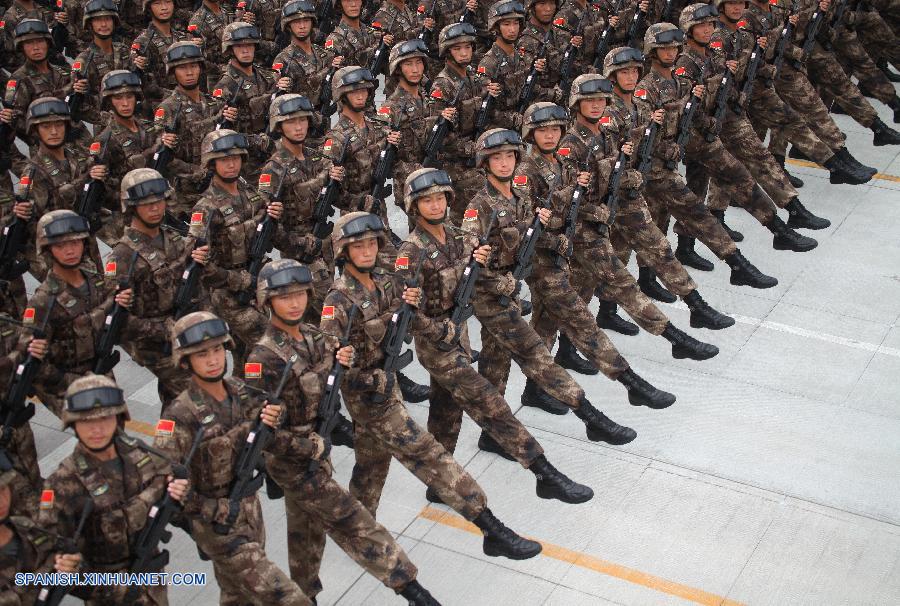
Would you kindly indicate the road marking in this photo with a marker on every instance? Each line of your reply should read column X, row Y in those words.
column 588, row 562
column 808, row 164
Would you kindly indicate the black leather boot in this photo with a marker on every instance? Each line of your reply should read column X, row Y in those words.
column 342, row 434
column 744, row 273
column 412, row 391
column 417, row 595
column 536, row 397
column 841, row 172
column 733, row 234
column 888, row 72
column 552, row 484
column 686, row 346
column 797, row 154
column 800, row 217
column 601, row 428
column 489, row 444
column 685, row 253
column 567, row 357
column 795, row 181
column 894, row 104
column 884, row 134
column 703, row 315
column 501, row 541
column 786, row 238
column 845, row 155
column 608, row 318
column 641, row 393
column 653, row 289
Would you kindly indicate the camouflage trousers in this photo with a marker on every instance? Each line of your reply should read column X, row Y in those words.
column 877, row 37
column 595, row 263
column 247, row 323
column 506, row 336
column 668, row 194
column 23, row 454
column 456, row 387
column 636, row 231
column 768, row 110
column 557, row 306
column 385, row 430
column 466, row 183
column 857, row 62
column 244, row 574
column 826, row 73
column 795, row 88
column 14, row 297
column 317, row 505
column 170, row 379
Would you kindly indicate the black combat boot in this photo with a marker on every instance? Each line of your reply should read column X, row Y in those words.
column 417, row 595
column 685, row 253
column 786, row 238
column 686, row 346
column 888, row 72
column 567, row 357
column 432, row 496
column 844, row 154
column 800, row 218
column 608, row 318
column 641, row 393
column 489, row 444
column 703, row 315
column 412, row 391
column 744, row 273
column 601, row 428
column 501, row 541
column 552, row 484
column 342, row 434
column 536, row 397
column 841, row 172
column 653, row 289
column 795, row 181
column 894, row 104
column 797, row 154
column 733, row 234
column 884, row 134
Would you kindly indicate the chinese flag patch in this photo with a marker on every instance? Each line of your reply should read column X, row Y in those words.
column 265, row 180
column 376, row 24
column 564, row 151
column 559, row 22
column 95, row 148
column 605, row 120
column 136, row 47
column 165, row 428
column 328, row 144
column 28, row 316
column 252, row 370
column 24, row 181
column 641, row 93
column 328, row 312
column 217, row 93
column 2, row 24
column 192, row 28
column 482, row 69
column 76, row 66
column 680, row 71
column 742, row 23
column 329, row 43
column 242, row 4
column 421, row 9
column 11, row 85
column 437, row 94
column 520, row 180
column 385, row 110
column 110, row 269
column 48, row 498
column 717, row 44
column 159, row 114
column 471, row 214
column 196, row 219
column 401, row 263
column 277, row 66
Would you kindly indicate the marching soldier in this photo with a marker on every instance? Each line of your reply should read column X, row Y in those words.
column 541, row 26
column 352, row 39
column 208, row 22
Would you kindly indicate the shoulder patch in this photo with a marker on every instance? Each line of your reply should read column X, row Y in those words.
column 742, row 23
column 680, row 71
column 28, row 316
column 11, row 85
column 520, row 180
column 564, row 151
column 48, row 498
column 401, row 263
column 471, row 214
column 641, row 93
column 328, row 312
column 165, row 428
column 252, row 370
column 716, row 44
column 329, row 43
column 482, row 69
column 192, row 28
column 159, row 114
column 605, row 120
column 265, row 180
column 437, row 94
column 329, row 143
column 559, row 22
column 110, row 269
column 217, row 93
column 196, row 219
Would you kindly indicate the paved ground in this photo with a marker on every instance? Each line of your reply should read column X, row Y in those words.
column 773, row 480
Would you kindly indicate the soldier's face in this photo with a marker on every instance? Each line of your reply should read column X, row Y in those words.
column 702, row 32
column 543, row 10
column 123, row 104
column 228, row 168
column 295, row 129
column 547, row 137
column 244, row 53
column 667, row 56
column 301, row 28
column 433, row 207
column 363, row 253
column 462, row 53
column 96, row 434
column 5, row 501
column 412, row 70
column 734, row 10
column 509, row 29
column 209, row 363
column 52, row 134
column 351, row 8
column 102, row 26
column 502, row 164
column 188, row 75
column 289, row 308
column 627, row 78
column 357, row 99
column 35, row 50
column 151, row 214
column 68, row 254
column 162, row 10
column 592, row 109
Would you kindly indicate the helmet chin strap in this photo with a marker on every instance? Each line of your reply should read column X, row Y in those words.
column 284, row 320
column 215, row 379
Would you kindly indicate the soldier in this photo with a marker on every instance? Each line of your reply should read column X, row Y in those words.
column 223, row 408
column 208, row 22
column 314, row 501
column 121, row 476
column 541, row 27
column 353, row 40
column 161, row 257
column 16, row 12
column 81, row 298
column 264, row 15
column 384, row 429
column 572, row 12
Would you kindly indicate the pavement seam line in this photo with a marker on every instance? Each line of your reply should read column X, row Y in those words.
column 808, row 164
column 588, row 562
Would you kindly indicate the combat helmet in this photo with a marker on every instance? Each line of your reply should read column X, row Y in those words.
column 622, row 57
column 99, row 8
column 31, row 29
column 182, row 53
column 47, row 109
column 424, row 182
column 455, row 33
column 662, row 35
column 289, row 106
column 198, row 331
column 355, row 227
column 143, row 186
column 402, row 51
column 543, row 114
column 221, row 144
column 350, row 78
column 296, row 10
column 120, row 81
column 59, row 226
column 505, row 9
column 240, row 32
column 93, row 397
column 282, row 277
column 495, row 141
column 589, row 86
column 695, row 14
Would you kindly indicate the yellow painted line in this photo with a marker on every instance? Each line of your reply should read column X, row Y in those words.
column 148, row 429
column 588, row 562
column 809, row 164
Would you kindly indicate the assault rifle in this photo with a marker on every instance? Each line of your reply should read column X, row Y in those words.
column 380, row 56
column 328, row 413
column 637, row 22
column 606, row 37
column 384, row 167
column 722, row 94
column 106, row 355
column 645, row 148
column 327, row 106
column 75, row 100
column 325, row 19
column 425, row 34
column 328, row 196
column 571, row 220
column 837, row 21
column 684, row 128
column 568, row 62
column 757, row 56
column 176, row 224
column 54, row 594
column 164, row 154
column 812, row 31
column 667, row 12
column 15, row 235
column 785, row 39
column 92, row 194
column 190, row 281
column 524, row 256
column 439, row 131
column 262, row 245
column 155, row 531
column 224, row 122
column 396, row 336
column 249, row 471
column 529, row 88
column 612, row 195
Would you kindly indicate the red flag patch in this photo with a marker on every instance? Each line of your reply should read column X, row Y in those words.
column 559, row 22
column 437, row 94
column 76, row 66
column 95, row 148
column 217, row 93
column 328, row 144
column 11, row 85
column 48, row 498
column 252, row 370
column 421, row 9
column 520, row 180
column 265, row 180
column 192, row 28
column 197, row 219
column 277, row 66
column 401, row 263
column 385, row 110
column 564, row 152
column 641, row 93
column 24, row 181
column 165, row 428
column 242, row 4
column 717, row 44
column 742, row 23
column 329, row 43
column 471, row 214
column 482, row 69
column 28, row 316
column 328, row 312
column 159, row 114
column 2, row 24
column 376, row 24
column 110, row 269
column 136, row 47
column 680, row 71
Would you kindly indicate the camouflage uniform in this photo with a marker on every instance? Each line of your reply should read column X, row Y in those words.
column 152, row 44
column 11, row 18
column 210, row 26
column 94, row 64
column 572, row 12
column 306, row 71
column 529, row 44
column 414, row 119
column 266, row 14
column 21, row 451
column 510, row 71
column 356, row 45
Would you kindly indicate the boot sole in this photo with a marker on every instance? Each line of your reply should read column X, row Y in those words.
column 842, row 181
column 681, row 355
column 553, row 493
column 696, row 266
column 816, row 227
column 638, row 401
column 580, row 370
column 495, row 552
column 703, row 324
column 792, row 248
column 740, row 282
column 661, row 298
column 596, row 436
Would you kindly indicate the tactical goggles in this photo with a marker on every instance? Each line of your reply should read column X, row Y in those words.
column 295, row 104
column 98, row 397
column 145, row 189
column 300, row 6
column 546, row 114
column 204, row 331
column 32, row 26
column 358, row 75
column 669, row 36
column 430, row 179
column 706, row 11
column 288, row 276
column 504, row 137
column 65, row 226
column 361, row 225
column 627, row 55
column 249, row 32
column 188, row 51
column 229, row 142
column 459, row 29
column 55, row 107
column 100, row 5
column 508, row 8
column 597, row 85
column 416, row 45
column 121, row 80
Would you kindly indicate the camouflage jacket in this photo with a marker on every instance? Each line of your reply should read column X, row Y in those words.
column 306, row 71
column 127, row 149
column 35, row 547
column 460, row 145
column 190, row 121
column 356, row 45
column 210, row 26
column 414, row 116
column 254, row 98
column 152, row 43
column 654, row 92
column 510, row 71
column 93, row 64
column 401, row 21
column 530, row 42
column 572, row 12
column 27, row 84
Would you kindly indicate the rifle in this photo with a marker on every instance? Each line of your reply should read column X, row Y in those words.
column 224, row 122
column 249, row 471
column 836, row 20
column 154, row 531
column 92, row 194
column 812, row 30
column 757, row 56
column 58, row 33
column 330, row 405
column 612, row 196
column 571, row 220
column 637, row 21
column 54, row 594
column 526, row 95
column 425, row 34
column 396, row 337
column 439, row 132
column 327, row 106
column 106, row 356
column 684, row 128
column 380, row 57
column 785, row 39
column 384, row 168
column 325, row 19
column 15, row 235
column 603, row 42
column 462, row 308
column 163, row 155
column 722, row 94
column 667, row 12
column 190, row 281
column 645, row 148
column 524, row 256
column 327, row 197
column 262, row 245
column 568, row 62
column 75, row 100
